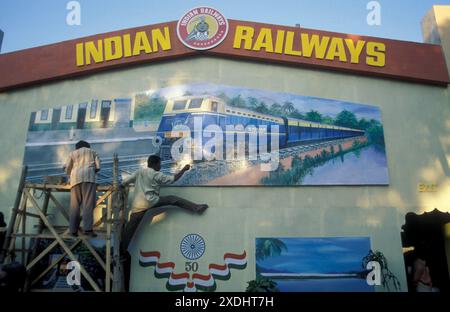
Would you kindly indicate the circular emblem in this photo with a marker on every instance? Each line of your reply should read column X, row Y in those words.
column 202, row 28
column 192, row 246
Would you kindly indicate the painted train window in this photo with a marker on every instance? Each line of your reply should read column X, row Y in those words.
column 196, row 103
column 93, row 111
column 69, row 111
column 178, row 105
column 44, row 114
column 106, row 104
column 214, row 106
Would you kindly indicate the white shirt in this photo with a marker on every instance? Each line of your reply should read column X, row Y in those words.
column 82, row 165
column 147, row 183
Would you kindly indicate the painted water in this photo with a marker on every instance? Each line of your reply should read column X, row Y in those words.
column 324, row 285
column 364, row 166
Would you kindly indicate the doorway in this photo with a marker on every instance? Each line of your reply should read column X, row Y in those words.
column 424, row 238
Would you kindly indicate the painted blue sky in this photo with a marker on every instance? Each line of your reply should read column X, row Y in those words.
column 327, row 107
column 320, row 255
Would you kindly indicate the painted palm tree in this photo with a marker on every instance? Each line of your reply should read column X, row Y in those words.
column 252, row 103
column 262, row 108
column 288, row 107
column 276, row 109
column 269, row 247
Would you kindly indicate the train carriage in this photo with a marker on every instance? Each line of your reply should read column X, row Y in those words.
column 214, row 114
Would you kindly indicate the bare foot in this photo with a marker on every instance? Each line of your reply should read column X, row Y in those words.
column 202, row 208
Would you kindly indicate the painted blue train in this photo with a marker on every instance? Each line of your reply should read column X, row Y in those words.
column 213, row 111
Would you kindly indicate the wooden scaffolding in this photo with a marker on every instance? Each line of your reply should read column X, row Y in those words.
column 111, row 199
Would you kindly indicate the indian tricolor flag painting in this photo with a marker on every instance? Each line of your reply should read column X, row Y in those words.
column 204, row 282
column 151, row 258
column 236, row 261
column 191, row 283
column 177, row 281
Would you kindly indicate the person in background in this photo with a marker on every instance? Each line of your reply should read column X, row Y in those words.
column 421, row 272
column 82, row 165
column 148, row 182
column 12, row 277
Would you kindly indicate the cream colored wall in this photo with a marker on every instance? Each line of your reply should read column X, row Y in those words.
column 417, row 129
column 436, row 23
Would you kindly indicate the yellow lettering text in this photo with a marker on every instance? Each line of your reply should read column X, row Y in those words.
column 376, row 54
column 337, row 49
column 141, row 43
column 126, row 45
column 289, row 47
column 96, row 52
column 162, row 40
column 243, row 33
column 116, row 53
column 80, row 54
column 279, row 42
column 264, row 40
column 355, row 51
column 315, row 44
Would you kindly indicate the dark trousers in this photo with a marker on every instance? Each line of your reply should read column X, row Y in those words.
column 133, row 224
column 82, row 197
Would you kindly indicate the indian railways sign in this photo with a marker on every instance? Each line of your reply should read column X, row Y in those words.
column 208, row 30
column 202, row 28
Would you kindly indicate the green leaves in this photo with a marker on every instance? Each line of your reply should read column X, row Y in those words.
column 387, row 277
column 262, row 285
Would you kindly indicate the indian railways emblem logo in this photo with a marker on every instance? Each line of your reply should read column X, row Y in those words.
column 202, row 28
column 192, row 246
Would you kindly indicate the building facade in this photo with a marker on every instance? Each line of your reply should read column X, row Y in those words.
column 415, row 112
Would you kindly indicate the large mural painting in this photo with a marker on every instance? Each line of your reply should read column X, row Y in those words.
column 329, row 264
column 230, row 136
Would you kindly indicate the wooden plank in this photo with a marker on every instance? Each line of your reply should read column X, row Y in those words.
column 116, row 227
column 55, row 187
column 44, row 209
column 63, row 187
column 108, row 247
column 66, row 215
column 24, row 231
column 119, row 213
column 29, row 214
column 41, row 255
column 94, row 253
column 37, row 240
column 12, row 242
column 59, row 207
column 61, row 242
column 19, row 197
column 57, row 260
column 99, row 201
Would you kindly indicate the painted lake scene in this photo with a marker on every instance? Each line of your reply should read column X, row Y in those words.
column 332, row 264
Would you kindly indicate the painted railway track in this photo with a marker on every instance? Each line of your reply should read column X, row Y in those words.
column 128, row 164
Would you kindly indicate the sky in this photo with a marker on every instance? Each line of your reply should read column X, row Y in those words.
column 28, row 24
column 320, row 255
column 326, row 107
